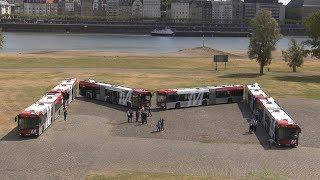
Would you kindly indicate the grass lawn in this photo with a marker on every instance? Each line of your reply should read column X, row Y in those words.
column 26, row 79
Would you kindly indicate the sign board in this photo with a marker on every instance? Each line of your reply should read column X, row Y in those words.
column 220, row 58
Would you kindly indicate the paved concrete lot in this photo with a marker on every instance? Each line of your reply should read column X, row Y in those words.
column 208, row 140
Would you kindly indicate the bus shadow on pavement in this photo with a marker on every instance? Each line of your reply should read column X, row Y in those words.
column 14, row 136
column 102, row 103
column 260, row 133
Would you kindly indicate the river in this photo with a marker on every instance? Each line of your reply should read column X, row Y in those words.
column 27, row 41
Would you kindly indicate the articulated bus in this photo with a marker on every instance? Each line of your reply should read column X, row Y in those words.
column 39, row 116
column 187, row 97
column 68, row 88
column 278, row 124
column 115, row 94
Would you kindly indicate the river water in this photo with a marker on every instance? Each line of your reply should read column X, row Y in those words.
column 26, row 41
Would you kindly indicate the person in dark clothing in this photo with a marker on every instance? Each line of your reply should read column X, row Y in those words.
column 149, row 111
column 137, row 115
column 161, row 124
column 129, row 115
column 143, row 117
column 158, row 125
column 65, row 113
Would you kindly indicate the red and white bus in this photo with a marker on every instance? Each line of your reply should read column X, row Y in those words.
column 278, row 124
column 39, row 116
column 187, row 97
column 68, row 88
column 115, row 94
column 254, row 93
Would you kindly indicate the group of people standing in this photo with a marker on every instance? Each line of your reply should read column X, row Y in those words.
column 140, row 112
column 144, row 113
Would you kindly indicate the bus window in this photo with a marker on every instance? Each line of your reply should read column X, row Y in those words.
column 206, row 95
column 183, row 97
column 172, row 98
column 223, row 94
column 288, row 133
column 161, row 97
column 237, row 93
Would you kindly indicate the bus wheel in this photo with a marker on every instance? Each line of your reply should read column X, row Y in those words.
column 230, row 100
column 129, row 105
column 204, row 103
column 177, row 106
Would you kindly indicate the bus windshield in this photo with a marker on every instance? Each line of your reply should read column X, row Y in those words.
column 29, row 122
column 145, row 97
column 288, row 133
column 161, row 97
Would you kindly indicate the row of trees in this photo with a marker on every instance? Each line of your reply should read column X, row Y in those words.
column 266, row 33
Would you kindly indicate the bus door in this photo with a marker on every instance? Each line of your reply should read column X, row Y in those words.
column 115, row 97
column 212, row 96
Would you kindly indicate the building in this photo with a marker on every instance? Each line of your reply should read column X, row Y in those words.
column 196, row 10
column 151, row 8
column 86, row 8
column 18, row 6
column 237, row 9
column 222, row 10
column 125, row 9
column 309, row 7
column 51, row 7
column 112, row 9
column 252, row 7
column 34, row 7
column 6, row 7
column 69, row 7
column 137, row 9
column 180, row 9
column 200, row 10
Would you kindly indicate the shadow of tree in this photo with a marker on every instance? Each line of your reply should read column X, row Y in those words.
column 240, row 75
column 299, row 78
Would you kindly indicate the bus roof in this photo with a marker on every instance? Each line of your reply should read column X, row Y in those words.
column 258, row 93
column 35, row 109
column 254, row 86
column 70, row 81
column 269, row 103
column 281, row 116
column 50, row 98
column 200, row 89
column 114, row 87
column 62, row 87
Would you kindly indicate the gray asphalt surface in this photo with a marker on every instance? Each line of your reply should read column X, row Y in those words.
column 208, row 140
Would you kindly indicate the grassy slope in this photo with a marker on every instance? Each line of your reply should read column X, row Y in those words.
column 20, row 88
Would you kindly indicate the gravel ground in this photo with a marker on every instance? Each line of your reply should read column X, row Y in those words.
column 196, row 141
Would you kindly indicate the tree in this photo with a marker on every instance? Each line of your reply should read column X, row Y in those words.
column 265, row 35
column 294, row 54
column 312, row 25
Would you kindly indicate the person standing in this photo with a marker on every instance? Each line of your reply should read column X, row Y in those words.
column 149, row 111
column 251, row 125
column 162, row 124
column 65, row 113
column 129, row 115
column 137, row 115
column 158, row 125
column 254, row 125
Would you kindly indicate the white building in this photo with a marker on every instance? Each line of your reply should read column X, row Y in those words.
column 151, row 8
column 137, row 9
column 222, row 9
column 5, row 7
column 112, row 8
column 180, row 10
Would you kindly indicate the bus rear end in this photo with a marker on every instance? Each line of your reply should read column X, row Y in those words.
column 144, row 97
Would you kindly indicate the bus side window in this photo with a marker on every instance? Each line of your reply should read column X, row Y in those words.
column 206, row 95
column 183, row 97
column 172, row 98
